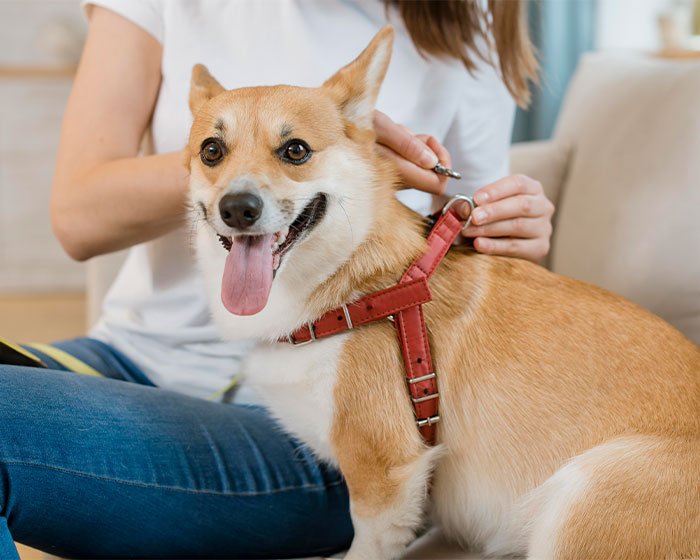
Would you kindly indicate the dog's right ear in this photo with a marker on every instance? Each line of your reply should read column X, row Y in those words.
column 202, row 87
column 355, row 87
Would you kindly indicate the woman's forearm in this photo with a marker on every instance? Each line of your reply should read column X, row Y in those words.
column 119, row 203
column 104, row 197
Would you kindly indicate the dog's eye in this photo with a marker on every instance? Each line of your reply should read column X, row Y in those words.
column 296, row 152
column 212, row 152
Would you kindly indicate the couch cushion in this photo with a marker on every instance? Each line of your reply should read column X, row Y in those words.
column 546, row 161
column 629, row 214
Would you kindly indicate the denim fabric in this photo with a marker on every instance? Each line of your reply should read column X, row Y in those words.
column 102, row 357
column 101, row 468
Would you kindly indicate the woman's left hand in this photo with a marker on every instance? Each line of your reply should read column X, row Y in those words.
column 513, row 218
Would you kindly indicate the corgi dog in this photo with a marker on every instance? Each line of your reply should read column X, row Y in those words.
column 570, row 417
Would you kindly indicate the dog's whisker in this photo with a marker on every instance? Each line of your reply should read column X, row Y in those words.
column 352, row 232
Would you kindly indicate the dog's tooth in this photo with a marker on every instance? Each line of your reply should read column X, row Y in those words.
column 283, row 235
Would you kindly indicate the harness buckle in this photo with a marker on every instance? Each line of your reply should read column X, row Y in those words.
column 312, row 332
column 456, row 198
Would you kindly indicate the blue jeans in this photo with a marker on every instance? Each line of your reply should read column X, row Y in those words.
column 108, row 468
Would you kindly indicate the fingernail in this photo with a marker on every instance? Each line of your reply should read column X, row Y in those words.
column 428, row 159
column 481, row 198
column 479, row 215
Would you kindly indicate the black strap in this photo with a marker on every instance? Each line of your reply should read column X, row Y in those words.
column 13, row 355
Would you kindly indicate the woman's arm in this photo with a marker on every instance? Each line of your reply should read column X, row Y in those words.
column 104, row 197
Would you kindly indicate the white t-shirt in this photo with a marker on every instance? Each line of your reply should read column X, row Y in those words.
column 156, row 312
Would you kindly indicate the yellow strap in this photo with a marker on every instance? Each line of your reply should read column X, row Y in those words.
column 66, row 360
column 221, row 392
column 21, row 350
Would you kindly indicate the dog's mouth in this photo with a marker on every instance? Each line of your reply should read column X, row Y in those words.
column 253, row 260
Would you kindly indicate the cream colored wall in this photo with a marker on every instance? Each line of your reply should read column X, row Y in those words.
column 39, row 42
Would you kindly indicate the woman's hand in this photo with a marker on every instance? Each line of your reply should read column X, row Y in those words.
column 513, row 218
column 415, row 155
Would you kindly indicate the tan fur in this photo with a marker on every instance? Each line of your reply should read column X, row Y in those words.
column 535, row 371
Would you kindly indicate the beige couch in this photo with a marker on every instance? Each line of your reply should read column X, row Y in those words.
column 623, row 169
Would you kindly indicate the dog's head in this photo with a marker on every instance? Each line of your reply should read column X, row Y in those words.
column 284, row 177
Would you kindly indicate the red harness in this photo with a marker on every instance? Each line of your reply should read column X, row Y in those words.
column 402, row 304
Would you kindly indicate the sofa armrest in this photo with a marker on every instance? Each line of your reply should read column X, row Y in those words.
column 546, row 161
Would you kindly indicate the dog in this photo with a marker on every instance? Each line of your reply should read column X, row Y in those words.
column 570, row 417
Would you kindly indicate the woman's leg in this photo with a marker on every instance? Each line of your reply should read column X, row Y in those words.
column 94, row 468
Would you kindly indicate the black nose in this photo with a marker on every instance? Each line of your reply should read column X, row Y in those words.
column 240, row 210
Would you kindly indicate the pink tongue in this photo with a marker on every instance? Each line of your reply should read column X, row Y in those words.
column 247, row 275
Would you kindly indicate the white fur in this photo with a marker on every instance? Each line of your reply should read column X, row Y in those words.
column 296, row 384
column 386, row 535
column 470, row 500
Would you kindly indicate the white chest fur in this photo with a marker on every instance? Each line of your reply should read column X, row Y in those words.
column 296, row 383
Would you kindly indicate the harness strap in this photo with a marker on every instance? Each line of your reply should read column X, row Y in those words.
column 402, row 303
column 375, row 306
column 413, row 333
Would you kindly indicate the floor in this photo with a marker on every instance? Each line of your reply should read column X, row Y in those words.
column 41, row 318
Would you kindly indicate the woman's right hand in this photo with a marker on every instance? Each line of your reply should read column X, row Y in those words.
column 104, row 197
column 415, row 155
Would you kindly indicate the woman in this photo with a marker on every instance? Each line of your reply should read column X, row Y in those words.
column 99, row 468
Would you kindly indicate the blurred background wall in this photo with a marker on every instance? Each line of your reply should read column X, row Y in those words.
column 40, row 42
column 562, row 30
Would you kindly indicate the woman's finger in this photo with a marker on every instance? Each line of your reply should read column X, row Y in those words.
column 523, row 205
column 401, row 141
column 437, row 148
column 525, row 228
column 506, row 187
column 414, row 176
column 531, row 249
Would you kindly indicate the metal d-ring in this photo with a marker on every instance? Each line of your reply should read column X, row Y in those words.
column 456, row 198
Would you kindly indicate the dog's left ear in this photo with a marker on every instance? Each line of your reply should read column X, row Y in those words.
column 202, row 87
column 355, row 87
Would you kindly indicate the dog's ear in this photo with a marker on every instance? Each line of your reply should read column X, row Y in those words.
column 355, row 87
column 202, row 87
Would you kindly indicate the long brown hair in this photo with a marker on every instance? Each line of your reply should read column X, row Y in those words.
column 466, row 30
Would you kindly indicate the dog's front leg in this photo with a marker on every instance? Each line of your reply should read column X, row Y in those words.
column 388, row 491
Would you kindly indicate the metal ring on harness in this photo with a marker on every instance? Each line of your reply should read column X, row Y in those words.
column 456, row 198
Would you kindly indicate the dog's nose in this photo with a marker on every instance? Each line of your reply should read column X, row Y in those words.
column 240, row 210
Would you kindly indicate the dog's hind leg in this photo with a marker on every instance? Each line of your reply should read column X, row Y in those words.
column 636, row 497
